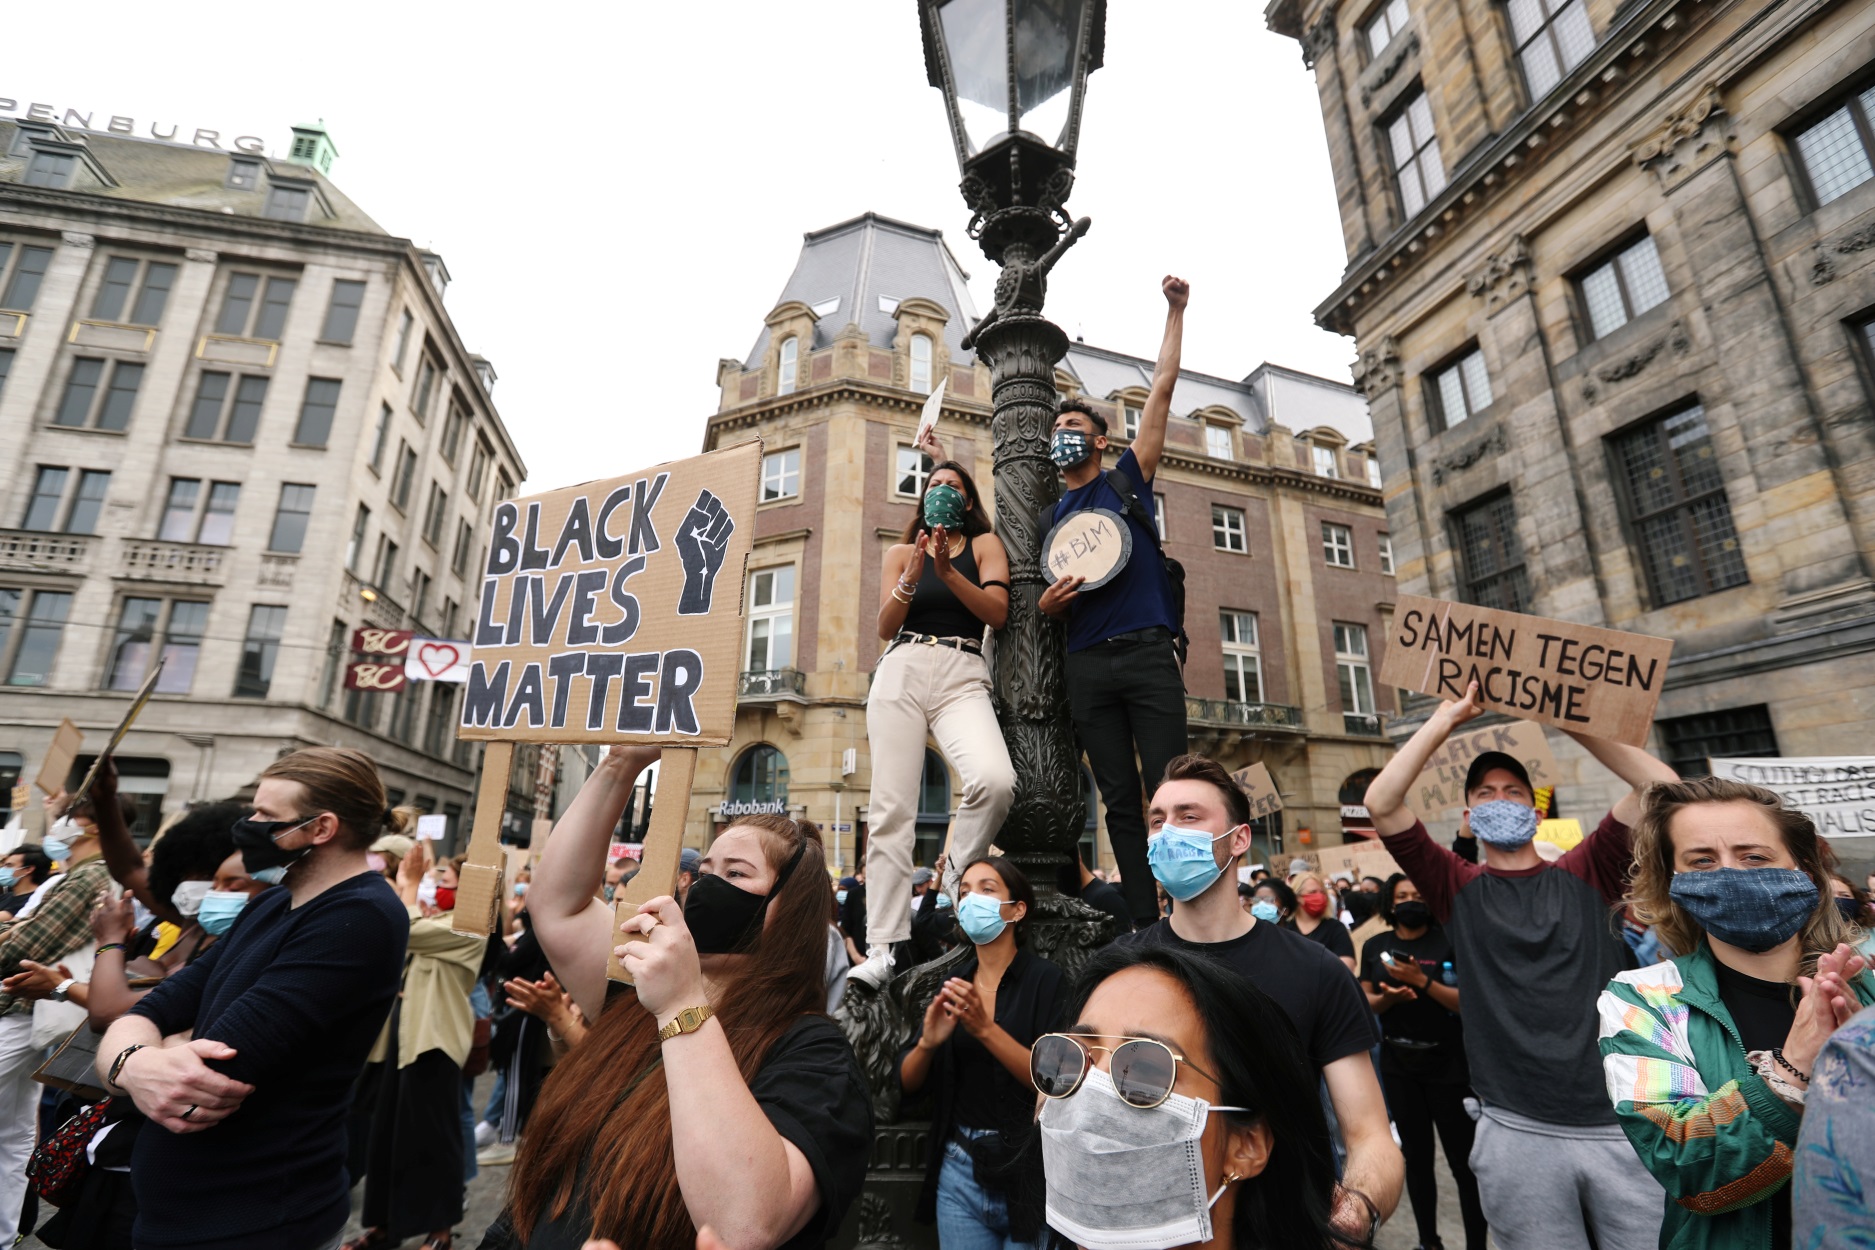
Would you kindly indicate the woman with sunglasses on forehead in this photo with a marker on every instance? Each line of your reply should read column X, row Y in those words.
column 983, row 1179
column 1180, row 1110
column 940, row 588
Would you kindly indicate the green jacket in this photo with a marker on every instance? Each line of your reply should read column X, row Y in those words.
column 1707, row 1126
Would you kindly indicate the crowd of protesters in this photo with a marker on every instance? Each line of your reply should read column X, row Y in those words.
column 1661, row 1036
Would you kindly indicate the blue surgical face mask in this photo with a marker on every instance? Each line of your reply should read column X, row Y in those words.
column 1504, row 823
column 1069, row 448
column 980, row 916
column 272, row 876
column 1183, row 862
column 7, row 878
column 944, row 900
column 218, row 911
column 58, row 850
column 1266, row 911
column 1752, row 908
column 840, row 894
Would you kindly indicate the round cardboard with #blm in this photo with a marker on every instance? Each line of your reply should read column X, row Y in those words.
column 1092, row 543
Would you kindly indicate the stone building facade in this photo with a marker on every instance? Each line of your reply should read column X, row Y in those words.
column 236, row 423
column 1278, row 524
column 1611, row 274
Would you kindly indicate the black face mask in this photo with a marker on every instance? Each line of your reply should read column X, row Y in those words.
column 1849, row 909
column 259, row 851
column 1412, row 914
column 724, row 919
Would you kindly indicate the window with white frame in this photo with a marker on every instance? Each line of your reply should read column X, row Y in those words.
column 1386, row 554
column 1324, row 458
column 1836, row 152
column 911, row 468
column 921, row 363
column 1384, row 26
column 1417, row 168
column 1460, row 390
column 1337, row 545
column 1373, row 470
column 771, row 620
column 1158, row 514
column 1356, row 679
column 148, row 627
column 1623, row 287
column 1243, row 665
column 790, row 365
column 781, row 474
column 1129, row 420
column 1227, row 529
column 1553, row 36
column 1217, row 442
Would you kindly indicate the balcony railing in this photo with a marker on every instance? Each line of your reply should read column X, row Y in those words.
column 276, row 571
column 1231, row 714
column 32, row 549
column 773, row 683
column 174, row 562
column 1366, row 724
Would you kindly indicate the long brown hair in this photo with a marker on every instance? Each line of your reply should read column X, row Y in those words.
column 605, row 1111
column 976, row 520
column 1649, row 890
column 346, row 783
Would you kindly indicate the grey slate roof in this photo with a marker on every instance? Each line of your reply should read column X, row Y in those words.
column 178, row 174
column 1102, row 372
column 870, row 257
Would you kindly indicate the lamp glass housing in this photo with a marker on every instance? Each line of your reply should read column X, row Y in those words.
column 984, row 39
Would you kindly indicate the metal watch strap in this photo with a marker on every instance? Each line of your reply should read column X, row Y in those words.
column 689, row 1020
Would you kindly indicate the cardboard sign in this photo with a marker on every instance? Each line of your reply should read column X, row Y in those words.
column 1835, row 791
column 481, row 882
column 117, row 735
column 1092, row 543
column 661, row 857
column 437, row 659
column 1564, row 834
column 1257, row 784
column 1600, row 682
column 22, row 797
column 381, row 641
column 928, row 419
column 384, row 675
column 433, row 827
column 612, row 612
column 1440, row 789
column 1358, row 859
column 57, row 765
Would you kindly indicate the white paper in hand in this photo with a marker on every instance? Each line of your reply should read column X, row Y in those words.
column 432, row 827
column 928, row 421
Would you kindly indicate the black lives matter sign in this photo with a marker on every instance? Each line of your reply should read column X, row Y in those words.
column 612, row 611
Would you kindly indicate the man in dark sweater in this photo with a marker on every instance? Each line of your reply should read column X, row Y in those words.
column 1537, row 943
column 246, row 1143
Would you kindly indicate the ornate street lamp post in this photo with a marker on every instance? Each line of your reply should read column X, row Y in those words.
column 1013, row 74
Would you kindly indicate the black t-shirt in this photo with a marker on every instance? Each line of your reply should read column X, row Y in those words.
column 1423, row 1040
column 1311, row 986
column 812, row 1092
column 1333, row 935
column 1763, row 1012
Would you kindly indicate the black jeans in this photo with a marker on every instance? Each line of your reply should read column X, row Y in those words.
column 1417, row 1107
column 1127, row 697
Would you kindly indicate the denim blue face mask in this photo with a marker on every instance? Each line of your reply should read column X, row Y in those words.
column 1751, row 908
column 944, row 507
column 1265, row 911
column 1504, row 824
column 1183, row 862
column 1070, row 447
column 218, row 911
column 980, row 916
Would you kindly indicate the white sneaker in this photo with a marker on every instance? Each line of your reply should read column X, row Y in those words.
column 876, row 970
column 484, row 1134
column 496, row 1155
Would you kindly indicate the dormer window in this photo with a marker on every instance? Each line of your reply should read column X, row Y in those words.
column 789, row 367
column 1325, row 462
column 287, row 203
column 50, row 169
column 437, row 272
column 243, row 175
column 921, row 363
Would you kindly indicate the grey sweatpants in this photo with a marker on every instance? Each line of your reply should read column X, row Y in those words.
column 1545, row 1185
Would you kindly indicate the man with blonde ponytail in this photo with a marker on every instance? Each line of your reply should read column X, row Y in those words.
column 246, row 1144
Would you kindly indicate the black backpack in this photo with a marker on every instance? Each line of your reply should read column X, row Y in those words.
column 1174, row 571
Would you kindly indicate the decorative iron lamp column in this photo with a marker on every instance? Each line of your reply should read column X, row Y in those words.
column 1013, row 74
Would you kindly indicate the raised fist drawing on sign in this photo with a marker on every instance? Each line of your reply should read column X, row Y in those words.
column 702, row 541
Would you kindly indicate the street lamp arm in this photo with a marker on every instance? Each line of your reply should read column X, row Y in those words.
column 1023, row 284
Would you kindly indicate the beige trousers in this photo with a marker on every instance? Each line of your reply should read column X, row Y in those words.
column 940, row 691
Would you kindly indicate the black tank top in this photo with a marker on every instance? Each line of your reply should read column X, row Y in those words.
column 935, row 608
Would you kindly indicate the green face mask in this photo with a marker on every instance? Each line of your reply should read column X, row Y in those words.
column 944, row 507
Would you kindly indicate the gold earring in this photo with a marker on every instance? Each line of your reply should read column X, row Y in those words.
column 1231, row 1178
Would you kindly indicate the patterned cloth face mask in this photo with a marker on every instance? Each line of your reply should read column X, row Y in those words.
column 1751, row 908
column 944, row 507
column 1070, row 447
column 1503, row 823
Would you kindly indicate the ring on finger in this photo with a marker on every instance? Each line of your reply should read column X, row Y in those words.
column 186, row 1114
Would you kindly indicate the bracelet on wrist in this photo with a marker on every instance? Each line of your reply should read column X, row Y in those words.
column 1777, row 1056
column 110, row 946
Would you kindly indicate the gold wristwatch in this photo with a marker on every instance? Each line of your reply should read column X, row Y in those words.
column 689, row 1020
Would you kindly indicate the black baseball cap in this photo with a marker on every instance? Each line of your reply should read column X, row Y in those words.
column 1495, row 759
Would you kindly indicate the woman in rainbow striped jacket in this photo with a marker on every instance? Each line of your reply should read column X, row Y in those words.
column 1708, row 1056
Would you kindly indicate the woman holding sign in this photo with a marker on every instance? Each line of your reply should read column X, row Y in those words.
column 718, row 1093
column 940, row 589
column 1708, row 1056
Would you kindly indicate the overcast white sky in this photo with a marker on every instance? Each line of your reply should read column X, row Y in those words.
column 620, row 190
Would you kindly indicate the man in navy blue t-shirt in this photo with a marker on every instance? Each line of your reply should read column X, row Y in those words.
column 1124, row 683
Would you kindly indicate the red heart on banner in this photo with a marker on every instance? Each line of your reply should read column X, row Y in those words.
column 437, row 658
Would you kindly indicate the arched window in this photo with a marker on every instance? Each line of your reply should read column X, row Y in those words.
column 760, row 776
column 790, row 365
column 1354, row 789
column 921, row 363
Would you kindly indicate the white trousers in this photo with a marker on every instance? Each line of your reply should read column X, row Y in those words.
column 940, row 691
column 19, row 1116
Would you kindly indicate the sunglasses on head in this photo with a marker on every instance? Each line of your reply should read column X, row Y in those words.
column 1143, row 1069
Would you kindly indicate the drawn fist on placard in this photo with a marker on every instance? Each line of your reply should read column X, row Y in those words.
column 702, row 542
